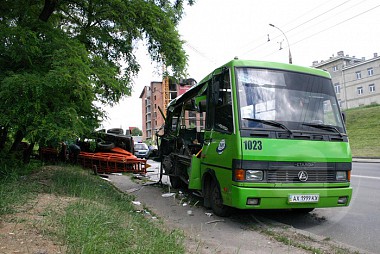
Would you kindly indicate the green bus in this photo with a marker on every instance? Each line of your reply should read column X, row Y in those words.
column 259, row 135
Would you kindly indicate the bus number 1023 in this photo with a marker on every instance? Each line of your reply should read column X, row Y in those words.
column 253, row 145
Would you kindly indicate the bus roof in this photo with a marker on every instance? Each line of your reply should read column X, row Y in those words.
column 270, row 65
column 249, row 63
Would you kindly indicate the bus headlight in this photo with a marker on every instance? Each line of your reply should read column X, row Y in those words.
column 254, row 175
column 341, row 175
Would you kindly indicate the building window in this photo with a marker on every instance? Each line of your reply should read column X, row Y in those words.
column 370, row 71
column 335, row 68
column 201, row 120
column 340, row 103
column 371, row 88
column 192, row 119
column 360, row 90
column 358, row 75
column 337, row 88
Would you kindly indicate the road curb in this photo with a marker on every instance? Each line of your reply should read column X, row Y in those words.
column 316, row 238
column 366, row 160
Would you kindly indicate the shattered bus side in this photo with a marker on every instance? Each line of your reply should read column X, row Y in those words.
column 259, row 135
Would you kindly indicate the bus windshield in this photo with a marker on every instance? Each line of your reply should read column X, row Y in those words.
column 285, row 100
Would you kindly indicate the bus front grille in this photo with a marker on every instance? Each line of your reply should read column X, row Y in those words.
column 291, row 176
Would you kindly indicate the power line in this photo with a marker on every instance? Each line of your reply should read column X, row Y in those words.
column 295, row 27
column 339, row 5
column 333, row 16
column 319, row 15
column 262, row 44
column 200, row 53
column 247, row 44
column 364, row 12
column 306, row 13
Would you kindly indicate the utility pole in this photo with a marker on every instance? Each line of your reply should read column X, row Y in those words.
column 287, row 41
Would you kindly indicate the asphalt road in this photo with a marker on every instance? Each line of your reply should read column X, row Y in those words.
column 357, row 225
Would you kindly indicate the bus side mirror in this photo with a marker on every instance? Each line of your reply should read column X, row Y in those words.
column 344, row 117
column 202, row 106
column 215, row 93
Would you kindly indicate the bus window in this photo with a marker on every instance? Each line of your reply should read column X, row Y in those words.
column 223, row 110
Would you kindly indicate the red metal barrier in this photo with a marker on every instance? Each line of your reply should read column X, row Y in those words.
column 116, row 161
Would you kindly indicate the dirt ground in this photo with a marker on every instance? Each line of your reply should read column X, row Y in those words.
column 22, row 232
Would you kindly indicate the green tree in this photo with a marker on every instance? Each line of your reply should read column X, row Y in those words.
column 60, row 58
column 136, row 132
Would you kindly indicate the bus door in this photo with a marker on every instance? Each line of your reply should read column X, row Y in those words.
column 219, row 139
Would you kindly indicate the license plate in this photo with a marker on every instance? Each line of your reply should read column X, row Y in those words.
column 304, row 198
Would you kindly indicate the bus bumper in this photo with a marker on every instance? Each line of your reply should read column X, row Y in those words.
column 278, row 198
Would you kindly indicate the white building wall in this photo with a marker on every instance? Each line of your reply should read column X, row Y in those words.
column 343, row 71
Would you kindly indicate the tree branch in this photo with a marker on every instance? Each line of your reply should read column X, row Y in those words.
column 48, row 9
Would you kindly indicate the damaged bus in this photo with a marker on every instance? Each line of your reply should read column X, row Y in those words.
column 259, row 135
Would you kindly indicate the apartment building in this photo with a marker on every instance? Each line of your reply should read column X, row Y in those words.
column 356, row 80
column 154, row 101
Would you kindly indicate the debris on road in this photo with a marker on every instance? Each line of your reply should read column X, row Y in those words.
column 167, row 195
column 116, row 161
column 132, row 190
column 214, row 221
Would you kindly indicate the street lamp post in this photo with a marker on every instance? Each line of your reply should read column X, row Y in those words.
column 287, row 41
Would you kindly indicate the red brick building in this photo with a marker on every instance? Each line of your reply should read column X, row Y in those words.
column 155, row 97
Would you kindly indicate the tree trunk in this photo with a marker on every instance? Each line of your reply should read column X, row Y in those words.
column 18, row 138
column 3, row 136
column 48, row 9
column 27, row 153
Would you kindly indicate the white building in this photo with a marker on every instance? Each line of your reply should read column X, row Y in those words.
column 356, row 80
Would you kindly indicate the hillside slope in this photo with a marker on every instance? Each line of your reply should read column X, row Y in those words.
column 363, row 128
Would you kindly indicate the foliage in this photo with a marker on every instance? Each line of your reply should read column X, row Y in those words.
column 59, row 60
column 39, row 104
column 136, row 132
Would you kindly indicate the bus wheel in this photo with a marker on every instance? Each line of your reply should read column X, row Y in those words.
column 175, row 182
column 216, row 201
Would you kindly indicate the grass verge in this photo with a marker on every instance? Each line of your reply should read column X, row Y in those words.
column 363, row 131
column 96, row 218
column 14, row 190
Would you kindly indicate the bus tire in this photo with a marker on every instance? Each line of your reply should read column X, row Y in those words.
column 216, row 201
column 175, row 182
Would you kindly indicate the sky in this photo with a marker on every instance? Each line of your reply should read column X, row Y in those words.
column 216, row 31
